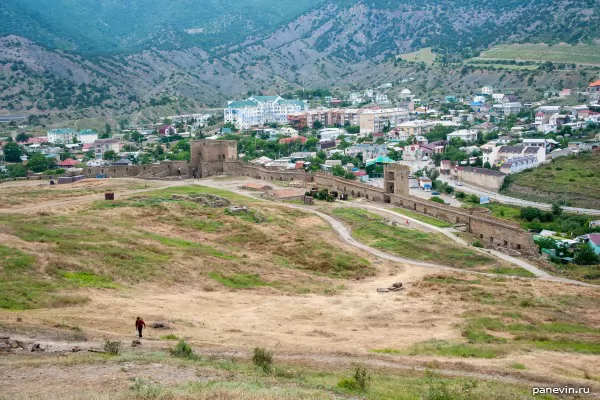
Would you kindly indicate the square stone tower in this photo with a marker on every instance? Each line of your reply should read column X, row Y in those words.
column 209, row 156
column 395, row 178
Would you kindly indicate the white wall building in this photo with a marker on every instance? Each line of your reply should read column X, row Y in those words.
column 487, row 90
column 466, row 135
column 61, row 136
column 87, row 136
column 260, row 110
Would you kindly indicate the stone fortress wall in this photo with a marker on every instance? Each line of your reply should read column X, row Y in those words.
column 214, row 157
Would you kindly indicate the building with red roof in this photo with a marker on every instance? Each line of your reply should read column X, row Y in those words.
column 68, row 163
column 290, row 140
column 594, row 87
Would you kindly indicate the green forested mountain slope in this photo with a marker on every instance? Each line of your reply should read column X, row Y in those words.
column 109, row 26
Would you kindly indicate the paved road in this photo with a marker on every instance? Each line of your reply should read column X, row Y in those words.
column 514, row 201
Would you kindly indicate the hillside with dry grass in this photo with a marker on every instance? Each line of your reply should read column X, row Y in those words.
column 267, row 303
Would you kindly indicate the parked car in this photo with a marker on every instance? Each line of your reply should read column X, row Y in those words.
column 435, row 193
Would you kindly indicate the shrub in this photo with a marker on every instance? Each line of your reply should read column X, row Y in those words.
column 585, row 255
column 263, row 359
column 449, row 189
column 183, row 350
column 460, row 195
column 112, row 347
column 359, row 382
column 437, row 200
column 474, row 199
column 479, row 244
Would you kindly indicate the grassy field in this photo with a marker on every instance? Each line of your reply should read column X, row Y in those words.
column 432, row 247
column 157, row 238
column 502, row 66
column 578, row 54
column 220, row 377
column 574, row 179
column 424, row 55
column 504, row 319
column 423, row 218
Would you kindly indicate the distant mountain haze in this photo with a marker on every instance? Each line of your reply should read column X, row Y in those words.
column 99, row 57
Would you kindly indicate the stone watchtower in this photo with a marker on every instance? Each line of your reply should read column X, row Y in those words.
column 395, row 179
column 211, row 157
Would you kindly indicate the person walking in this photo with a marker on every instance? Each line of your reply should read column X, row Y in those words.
column 139, row 325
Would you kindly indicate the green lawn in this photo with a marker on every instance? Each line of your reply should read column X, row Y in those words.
column 578, row 54
column 423, row 218
column 431, row 247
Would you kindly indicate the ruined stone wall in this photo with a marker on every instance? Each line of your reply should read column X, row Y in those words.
column 265, row 174
column 153, row 171
column 352, row 188
column 209, row 157
column 491, row 231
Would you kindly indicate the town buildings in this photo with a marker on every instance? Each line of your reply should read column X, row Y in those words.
column 466, row 135
column 261, row 110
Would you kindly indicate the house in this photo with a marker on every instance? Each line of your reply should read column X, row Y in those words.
column 374, row 167
column 487, row 90
column 466, row 135
column 450, row 99
column 502, row 154
column 368, row 150
column 87, row 136
column 355, row 98
column 101, row 146
column 498, row 97
column 167, row 130
column 61, row 136
column 593, row 240
column 519, row 164
column 329, row 164
column 67, row 164
column 594, row 88
column 261, row 160
column 406, row 94
column 547, row 144
column 565, row 93
column 508, row 107
column 326, row 144
column 445, row 167
column 123, row 162
column 381, row 98
column 289, row 140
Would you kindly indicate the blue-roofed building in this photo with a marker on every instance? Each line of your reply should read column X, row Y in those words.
column 261, row 110
column 87, row 136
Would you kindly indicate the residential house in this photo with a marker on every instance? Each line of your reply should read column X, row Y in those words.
column 519, row 164
column 488, row 179
column 167, row 130
column 466, row 135
column 367, row 150
column 565, row 93
column 329, row 164
column 593, row 89
column 289, row 140
column 501, row 154
column 498, row 97
column 101, row 146
column 61, row 136
column 355, row 98
column 508, row 108
column 406, row 94
column 326, row 144
column 445, row 167
column 593, row 240
column 487, row 90
column 547, row 144
column 381, row 98
column 330, row 133
column 67, row 164
column 123, row 162
column 87, row 136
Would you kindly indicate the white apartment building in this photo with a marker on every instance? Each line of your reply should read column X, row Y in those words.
column 501, row 154
column 87, row 136
column 61, row 136
column 260, row 110
column 466, row 135
column 519, row 164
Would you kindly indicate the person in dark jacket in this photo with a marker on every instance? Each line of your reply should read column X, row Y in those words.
column 139, row 325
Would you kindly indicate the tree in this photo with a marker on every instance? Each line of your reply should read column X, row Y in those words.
column 109, row 155
column 12, row 152
column 38, row 163
column 546, row 243
column 531, row 213
column 17, row 170
column 338, row 170
column 22, row 137
column 135, row 136
column 354, row 129
column 556, row 209
column 487, row 165
column 584, row 255
column 317, row 124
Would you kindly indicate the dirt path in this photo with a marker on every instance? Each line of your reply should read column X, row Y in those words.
column 345, row 234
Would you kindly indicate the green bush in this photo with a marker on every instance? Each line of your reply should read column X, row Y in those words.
column 438, row 200
column 474, row 199
column 58, row 171
column 112, row 347
column 460, row 195
column 263, row 359
column 478, row 243
column 359, row 382
column 183, row 350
